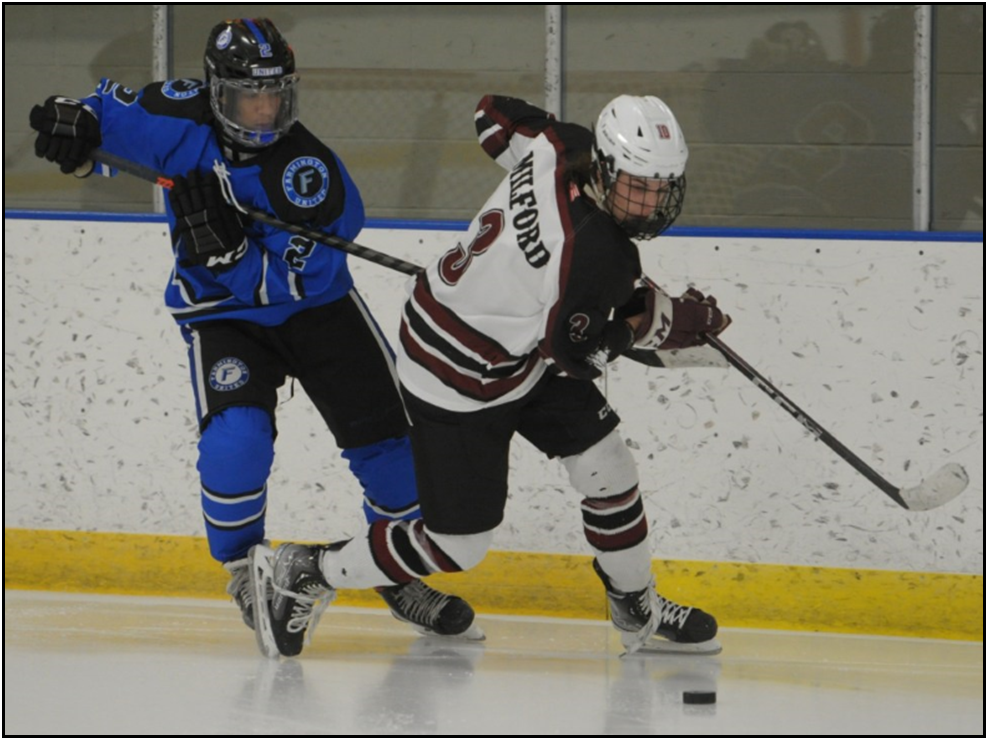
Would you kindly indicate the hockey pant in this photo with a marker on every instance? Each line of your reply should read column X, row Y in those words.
column 236, row 451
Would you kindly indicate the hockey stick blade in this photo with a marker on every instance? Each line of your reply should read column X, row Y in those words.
column 365, row 253
column 937, row 489
column 688, row 357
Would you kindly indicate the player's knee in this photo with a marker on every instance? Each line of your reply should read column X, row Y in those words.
column 605, row 469
column 466, row 551
column 236, row 449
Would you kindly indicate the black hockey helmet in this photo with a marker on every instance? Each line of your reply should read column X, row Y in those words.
column 250, row 69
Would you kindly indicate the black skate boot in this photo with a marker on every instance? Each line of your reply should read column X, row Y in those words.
column 299, row 596
column 431, row 612
column 649, row 622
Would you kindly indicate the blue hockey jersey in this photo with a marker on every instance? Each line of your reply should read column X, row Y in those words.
column 168, row 126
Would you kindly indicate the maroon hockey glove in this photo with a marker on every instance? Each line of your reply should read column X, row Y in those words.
column 694, row 313
column 209, row 227
column 675, row 323
column 68, row 131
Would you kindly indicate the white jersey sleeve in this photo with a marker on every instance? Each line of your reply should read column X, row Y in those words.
column 506, row 127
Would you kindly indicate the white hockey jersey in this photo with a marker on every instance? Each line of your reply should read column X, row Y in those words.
column 531, row 287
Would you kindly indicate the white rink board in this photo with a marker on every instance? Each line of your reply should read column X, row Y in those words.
column 881, row 342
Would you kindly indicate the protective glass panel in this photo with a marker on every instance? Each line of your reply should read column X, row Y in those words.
column 795, row 115
column 392, row 90
column 960, row 119
column 65, row 50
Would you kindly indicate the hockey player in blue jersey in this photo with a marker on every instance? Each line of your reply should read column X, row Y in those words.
column 257, row 304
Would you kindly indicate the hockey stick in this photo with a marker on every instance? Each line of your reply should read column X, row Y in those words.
column 939, row 488
column 365, row 253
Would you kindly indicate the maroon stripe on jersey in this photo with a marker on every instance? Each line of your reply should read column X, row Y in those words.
column 433, row 551
column 463, row 384
column 481, row 345
column 508, row 121
column 563, row 199
column 495, row 143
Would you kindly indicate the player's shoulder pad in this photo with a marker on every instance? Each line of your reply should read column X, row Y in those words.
column 576, row 138
column 179, row 99
column 573, row 144
column 303, row 181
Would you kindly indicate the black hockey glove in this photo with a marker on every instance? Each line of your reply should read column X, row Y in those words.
column 68, row 131
column 209, row 227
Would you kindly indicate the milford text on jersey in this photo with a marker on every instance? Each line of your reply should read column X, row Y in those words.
column 525, row 214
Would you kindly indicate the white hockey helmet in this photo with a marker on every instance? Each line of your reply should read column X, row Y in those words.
column 640, row 136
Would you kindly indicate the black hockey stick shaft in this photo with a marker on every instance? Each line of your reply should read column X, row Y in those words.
column 365, row 253
column 805, row 419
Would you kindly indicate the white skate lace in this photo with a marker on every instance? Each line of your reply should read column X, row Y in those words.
column 239, row 586
column 661, row 612
column 421, row 605
column 308, row 607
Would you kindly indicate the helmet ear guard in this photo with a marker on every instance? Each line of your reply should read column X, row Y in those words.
column 638, row 140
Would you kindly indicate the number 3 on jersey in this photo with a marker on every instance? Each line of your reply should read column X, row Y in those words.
column 454, row 263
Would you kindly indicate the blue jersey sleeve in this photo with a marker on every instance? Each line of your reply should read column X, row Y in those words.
column 161, row 126
column 169, row 127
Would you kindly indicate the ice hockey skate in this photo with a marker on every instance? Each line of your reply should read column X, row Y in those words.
column 299, row 596
column 432, row 612
column 240, row 588
column 650, row 623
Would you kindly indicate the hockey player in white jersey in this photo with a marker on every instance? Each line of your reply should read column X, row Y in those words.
column 504, row 334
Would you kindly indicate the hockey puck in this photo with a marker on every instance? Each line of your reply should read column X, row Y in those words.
column 699, row 698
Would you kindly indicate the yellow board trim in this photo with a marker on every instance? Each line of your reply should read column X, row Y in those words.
column 740, row 595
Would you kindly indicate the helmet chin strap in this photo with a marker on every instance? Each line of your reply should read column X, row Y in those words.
column 595, row 190
column 233, row 150
column 592, row 189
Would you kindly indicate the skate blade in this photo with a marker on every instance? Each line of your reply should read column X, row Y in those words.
column 473, row 633
column 660, row 646
column 261, row 578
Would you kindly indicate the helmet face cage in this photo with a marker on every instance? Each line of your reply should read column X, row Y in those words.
column 250, row 69
column 644, row 207
column 255, row 113
column 639, row 158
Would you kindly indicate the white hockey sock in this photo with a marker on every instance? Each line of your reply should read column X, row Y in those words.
column 629, row 570
column 397, row 552
column 351, row 566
